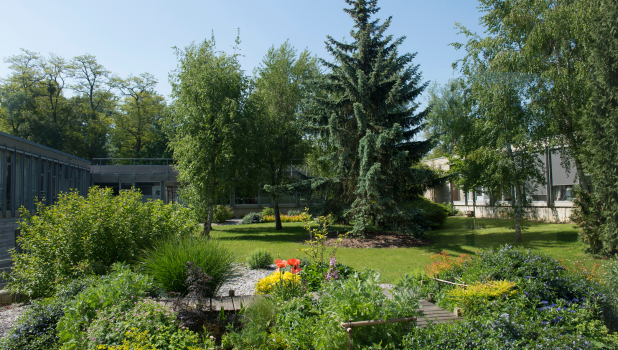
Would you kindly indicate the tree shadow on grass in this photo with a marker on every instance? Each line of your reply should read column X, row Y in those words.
column 262, row 233
column 471, row 242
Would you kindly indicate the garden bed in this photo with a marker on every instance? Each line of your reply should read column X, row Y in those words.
column 380, row 240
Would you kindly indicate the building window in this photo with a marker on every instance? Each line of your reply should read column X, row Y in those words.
column 563, row 193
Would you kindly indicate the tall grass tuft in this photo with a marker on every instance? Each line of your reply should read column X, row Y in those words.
column 165, row 262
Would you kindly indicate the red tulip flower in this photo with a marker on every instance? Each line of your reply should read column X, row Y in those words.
column 281, row 264
column 294, row 262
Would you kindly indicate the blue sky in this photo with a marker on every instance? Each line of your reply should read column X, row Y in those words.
column 132, row 37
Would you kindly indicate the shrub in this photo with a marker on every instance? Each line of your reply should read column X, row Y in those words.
column 157, row 326
column 166, row 262
column 252, row 218
column 284, row 218
column 358, row 298
column 314, row 274
column 78, row 236
column 505, row 329
column 477, row 295
column 443, row 261
column 434, row 212
column 258, row 319
column 451, row 211
column 121, row 288
column 542, row 306
column 35, row 328
column 260, row 259
column 268, row 211
column 222, row 213
column 540, row 277
column 295, row 212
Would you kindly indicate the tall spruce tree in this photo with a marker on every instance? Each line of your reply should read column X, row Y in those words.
column 369, row 117
column 601, row 130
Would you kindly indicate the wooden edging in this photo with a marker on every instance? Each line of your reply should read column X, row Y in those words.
column 453, row 283
column 349, row 325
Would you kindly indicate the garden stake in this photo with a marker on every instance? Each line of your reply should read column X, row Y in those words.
column 349, row 330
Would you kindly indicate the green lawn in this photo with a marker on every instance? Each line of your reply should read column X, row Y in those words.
column 557, row 240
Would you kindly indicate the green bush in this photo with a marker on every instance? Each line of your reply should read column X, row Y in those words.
column 358, row 298
column 252, row 218
column 162, row 329
column 79, row 236
column 121, row 288
column 542, row 306
column 294, row 212
column 314, row 274
column 434, row 212
column 258, row 319
column 259, row 259
column 268, row 211
column 167, row 259
column 511, row 328
column 222, row 213
column 35, row 328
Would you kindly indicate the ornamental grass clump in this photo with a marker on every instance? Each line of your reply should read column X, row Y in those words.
column 166, row 262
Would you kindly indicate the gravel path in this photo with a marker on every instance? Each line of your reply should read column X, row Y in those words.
column 245, row 283
column 8, row 316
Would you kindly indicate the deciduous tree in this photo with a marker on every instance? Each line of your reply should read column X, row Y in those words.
column 209, row 136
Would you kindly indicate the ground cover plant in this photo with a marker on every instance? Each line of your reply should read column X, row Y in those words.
column 103, row 312
column 517, row 299
column 79, row 236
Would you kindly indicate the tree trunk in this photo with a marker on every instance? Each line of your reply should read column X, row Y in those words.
column 208, row 223
column 582, row 177
column 278, row 225
column 518, row 196
column 474, row 207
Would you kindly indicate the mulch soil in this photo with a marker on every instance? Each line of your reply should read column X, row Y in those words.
column 380, row 240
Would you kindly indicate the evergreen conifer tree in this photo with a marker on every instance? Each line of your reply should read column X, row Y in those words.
column 369, row 118
column 601, row 129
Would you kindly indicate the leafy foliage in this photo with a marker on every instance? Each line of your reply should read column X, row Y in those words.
column 222, row 213
column 82, row 235
column 36, row 327
column 283, row 81
column 121, row 288
column 159, row 327
column 166, row 262
column 260, row 259
column 601, row 125
column 208, row 125
column 435, row 213
column 358, row 298
column 519, row 298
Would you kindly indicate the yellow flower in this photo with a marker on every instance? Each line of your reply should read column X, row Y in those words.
column 265, row 285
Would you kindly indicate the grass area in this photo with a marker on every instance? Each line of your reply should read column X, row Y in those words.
column 556, row 240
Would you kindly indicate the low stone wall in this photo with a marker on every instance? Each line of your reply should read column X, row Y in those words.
column 545, row 214
column 241, row 210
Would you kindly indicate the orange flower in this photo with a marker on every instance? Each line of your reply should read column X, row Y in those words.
column 294, row 262
column 296, row 270
column 280, row 263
